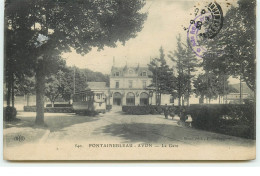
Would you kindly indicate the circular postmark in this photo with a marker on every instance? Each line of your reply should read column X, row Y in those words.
column 204, row 26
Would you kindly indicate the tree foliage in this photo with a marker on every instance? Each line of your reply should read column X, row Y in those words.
column 163, row 79
column 185, row 62
column 210, row 85
column 92, row 76
column 206, row 86
column 55, row 26
column 232, row 51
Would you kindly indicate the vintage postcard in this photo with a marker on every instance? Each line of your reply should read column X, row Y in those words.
column 129, row 80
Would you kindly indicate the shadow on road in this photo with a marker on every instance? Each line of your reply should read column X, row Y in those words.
column 54, row 122
column 142, row 132
column 164, row 133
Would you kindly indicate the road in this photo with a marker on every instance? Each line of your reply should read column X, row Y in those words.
column 112, row 127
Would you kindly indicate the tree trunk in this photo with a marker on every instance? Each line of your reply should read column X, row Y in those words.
column 240, row 91
column 160, row 97
column 201, row 100
column 8, row 96
column 40, row 86
column 52, row 104
column 12, row 87
column 179, row 101
column 189, row 85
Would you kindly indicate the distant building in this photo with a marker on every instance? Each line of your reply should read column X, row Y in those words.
column 236, row 96
column 129, row 86
column 246, row 93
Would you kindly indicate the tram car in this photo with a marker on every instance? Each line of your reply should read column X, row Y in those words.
column 89, row 102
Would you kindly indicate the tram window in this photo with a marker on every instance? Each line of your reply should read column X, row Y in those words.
column 98, row 96
column 76, row 98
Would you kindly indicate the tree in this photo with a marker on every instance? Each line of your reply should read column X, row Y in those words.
column 223, row 87
column 235, row 44
column 190, row 63
column 54, row 86
column 186, row 64
column 95, row 76
column 25, row 85
column 163, row 79
column 200, row 87
column 205, row 86
column 62, row 82
column 74, row 81
column 56, row 26
column 176, row 57
column 16, row 64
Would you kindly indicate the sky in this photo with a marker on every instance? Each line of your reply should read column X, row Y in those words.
column 166, row 19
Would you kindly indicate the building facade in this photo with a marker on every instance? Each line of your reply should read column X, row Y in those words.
column 129, row 86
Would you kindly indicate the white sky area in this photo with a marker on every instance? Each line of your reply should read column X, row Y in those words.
column 166, row 19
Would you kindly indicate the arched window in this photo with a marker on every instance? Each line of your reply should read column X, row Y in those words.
column 144, row 99
column 130, row 99
column 117, row 98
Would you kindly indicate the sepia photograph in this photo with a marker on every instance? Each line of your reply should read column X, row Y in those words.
column 129, row 80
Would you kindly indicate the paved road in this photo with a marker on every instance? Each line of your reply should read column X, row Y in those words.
column 112, row 127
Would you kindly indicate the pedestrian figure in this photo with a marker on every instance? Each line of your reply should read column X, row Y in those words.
column 172, row 113
column 183, row 116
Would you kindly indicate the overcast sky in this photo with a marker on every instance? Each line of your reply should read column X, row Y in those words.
column 166, row 19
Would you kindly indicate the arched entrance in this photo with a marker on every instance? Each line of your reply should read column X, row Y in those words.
column 117, row 97
column 130, row 99
column 144, row 99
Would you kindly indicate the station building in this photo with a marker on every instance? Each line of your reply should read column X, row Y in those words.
column 129, row 85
